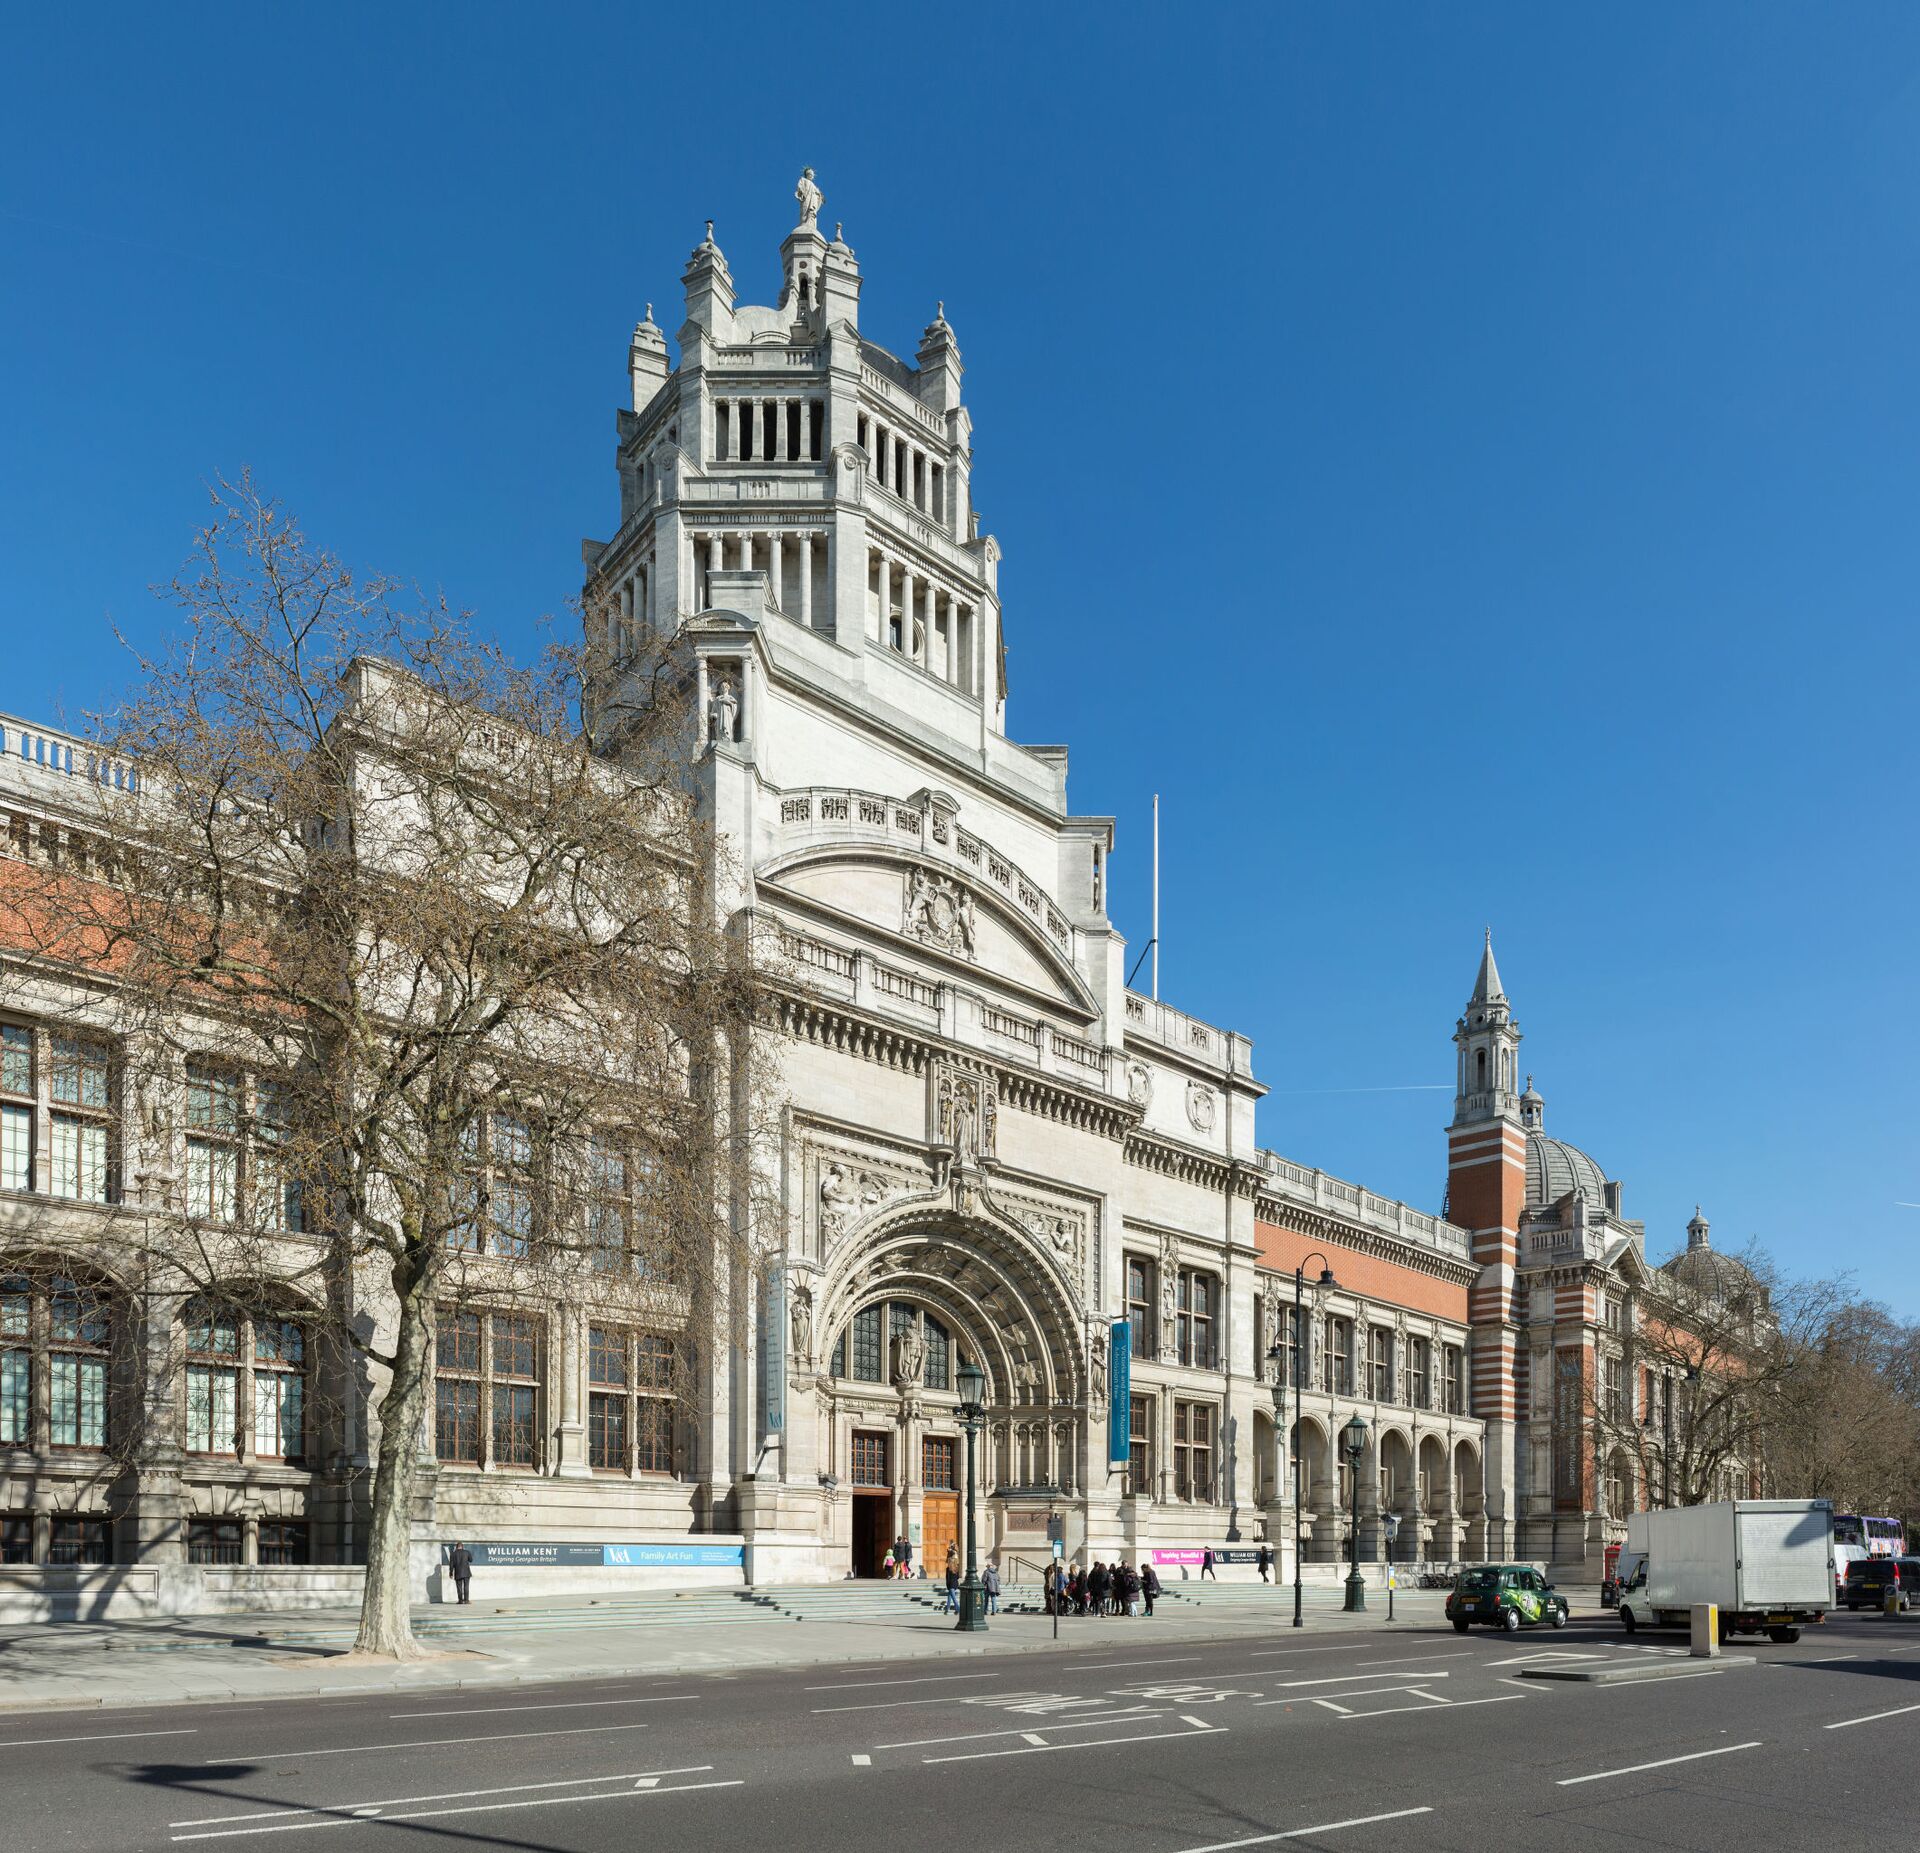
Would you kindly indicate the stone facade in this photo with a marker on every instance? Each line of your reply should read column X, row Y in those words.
column 990, row 1148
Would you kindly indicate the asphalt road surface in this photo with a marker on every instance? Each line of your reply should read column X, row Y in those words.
column 1364, row 1743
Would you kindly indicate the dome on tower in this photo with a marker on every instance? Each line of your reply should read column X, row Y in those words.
column 1554, row 1168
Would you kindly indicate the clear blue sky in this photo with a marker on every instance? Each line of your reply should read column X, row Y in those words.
column 1465, row 458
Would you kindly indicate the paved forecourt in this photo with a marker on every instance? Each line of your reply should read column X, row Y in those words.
column 1125, row 1742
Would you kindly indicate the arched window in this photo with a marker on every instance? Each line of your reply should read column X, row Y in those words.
column 865, row 1349
column 246, row 1383
column 55, row 1350
column 1480, row 1071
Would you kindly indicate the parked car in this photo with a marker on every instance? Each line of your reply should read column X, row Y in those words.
column 1869, row 1579
column 1505, row 1595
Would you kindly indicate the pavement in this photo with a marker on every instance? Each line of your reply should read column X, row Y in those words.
column 1132, row 1737
column 305, row 1655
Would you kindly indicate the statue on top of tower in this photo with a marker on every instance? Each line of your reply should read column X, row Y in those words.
column 809, row 197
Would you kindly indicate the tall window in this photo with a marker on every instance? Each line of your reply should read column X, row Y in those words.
column 78, row 1332
column 458, row 1343
column 80, row 1088
column 498, row 1192
column 213, row 1142
column 1140, row 1306
column 1419, row 1373
column 1454, row 1373
column 18, row 1102
column 1336, row 1364
column 869, row 1360
column 1140, row 1446
column 279, row 1200
column 939, row 1355
column 936, row 1463
column 870, row 1459
column 246, row 1390
column 609, row 1206
column 873, row 1330
column 1380, row 1363
column 55, row 1341
column 1193, row 1434
column 630, row 1401
column 513, row 1391
column 1194, row 1319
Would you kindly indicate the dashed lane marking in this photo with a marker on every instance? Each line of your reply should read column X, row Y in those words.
column 928, row 1679
column 1666, row 1762
column 481, row 1711
column 321, row 1816
column 1046, row 1749
column 1438, row 1705
column 1140, row 1716
column 426, row 1743
column 97, row 1737
column 862, row 1762
column 1873, row 1717
column 1302, row 1833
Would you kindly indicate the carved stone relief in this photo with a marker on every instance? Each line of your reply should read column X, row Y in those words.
column 846, row 1191
column 1201, row 1106
column 938, row 912
column 1139, row 1084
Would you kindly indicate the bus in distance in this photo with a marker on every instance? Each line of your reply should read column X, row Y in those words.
column 1855, row 1536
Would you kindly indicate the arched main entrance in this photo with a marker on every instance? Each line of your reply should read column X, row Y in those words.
column 914, row 1294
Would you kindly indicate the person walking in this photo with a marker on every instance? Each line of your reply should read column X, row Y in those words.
column 1206, row 1563
column 1266, row 1562
column 886, row 1566
column 953, row 1580
column 1049, row 1584
column 460, row 1567
column 1149, row 1587
column 990, row 1582
column 904, row 1555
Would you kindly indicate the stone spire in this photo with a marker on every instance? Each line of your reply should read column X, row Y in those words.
column 709, row 285
column 1697, row 1236
column 1533, row 1109
column 1486, row 986
column 647, row 360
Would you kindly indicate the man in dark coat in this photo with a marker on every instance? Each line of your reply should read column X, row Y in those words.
column 1149, row 1585
column 1097, row 1587
column 460, row 1567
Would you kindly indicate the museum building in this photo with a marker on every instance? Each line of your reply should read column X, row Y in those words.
column 990, row 1147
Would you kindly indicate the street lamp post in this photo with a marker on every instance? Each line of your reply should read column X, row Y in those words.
column 972, row 1384
column 1354, row 1435
column 1299, row 1390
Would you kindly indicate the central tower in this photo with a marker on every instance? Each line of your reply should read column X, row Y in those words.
column 788, row 467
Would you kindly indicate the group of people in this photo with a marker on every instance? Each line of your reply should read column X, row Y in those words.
column 898, row 1564
column 1117, row 1588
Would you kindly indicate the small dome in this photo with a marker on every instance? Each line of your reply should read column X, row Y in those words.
column 1554, row 1168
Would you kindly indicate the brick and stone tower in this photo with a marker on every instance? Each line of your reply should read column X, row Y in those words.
column 1486, row 1195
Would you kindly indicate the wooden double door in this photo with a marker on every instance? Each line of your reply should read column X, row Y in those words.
column 939, row 1531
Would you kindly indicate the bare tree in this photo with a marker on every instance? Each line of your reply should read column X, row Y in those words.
column 375, row 906
column 1694, row 1396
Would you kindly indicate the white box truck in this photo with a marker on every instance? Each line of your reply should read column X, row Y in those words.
column 1768, row 1563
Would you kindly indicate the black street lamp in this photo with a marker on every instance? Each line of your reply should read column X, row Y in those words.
column 971, row 1381
column 1354, row 1436
column 1277, row 1355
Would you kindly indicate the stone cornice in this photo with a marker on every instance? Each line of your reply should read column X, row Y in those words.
column 840, row 1027
column 1317, row 1226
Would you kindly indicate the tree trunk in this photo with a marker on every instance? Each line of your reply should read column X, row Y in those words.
column 386, row 1615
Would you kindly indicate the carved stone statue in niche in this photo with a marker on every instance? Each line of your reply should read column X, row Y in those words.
column 725, row 709
column 1169, row 1273
column 964, row 1113
column 1097, row 1372
column 909, row 1356
column 802, row 1323
column 1064, row 1452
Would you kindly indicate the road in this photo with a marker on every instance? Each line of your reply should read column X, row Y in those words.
column 1366, row 1742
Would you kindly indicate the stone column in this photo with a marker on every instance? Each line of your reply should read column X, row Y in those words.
column 877, row 434
column 774, row 588
column 806, row 579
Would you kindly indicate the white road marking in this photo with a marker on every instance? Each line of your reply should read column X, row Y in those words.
column 1301, row 1833
column 98, row 1737
column 429, row 1814
column 1873, row 1717
column 1819, row 1660
column 1666, row 1762
column 1343, row 1710
column 447, row 1795
column 1544, row 1654
column 1102, row 1666
column 648, row 1782
column 1352, row 1692
column 1034, row 1737
column 1199, row 1724
column 975, row 1698
column 975, row 1756
column 1336, row 1680
column 862, row 1762
column 425, row 1743
column 1389, row 1711
column 1458, row 1653
column 1141, row 1716
column 480, row 1711
column 930, row 1679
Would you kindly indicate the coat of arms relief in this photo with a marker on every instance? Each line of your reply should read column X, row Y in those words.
column 938, row 911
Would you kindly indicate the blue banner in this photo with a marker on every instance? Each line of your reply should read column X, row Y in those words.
column 1120, row 1393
